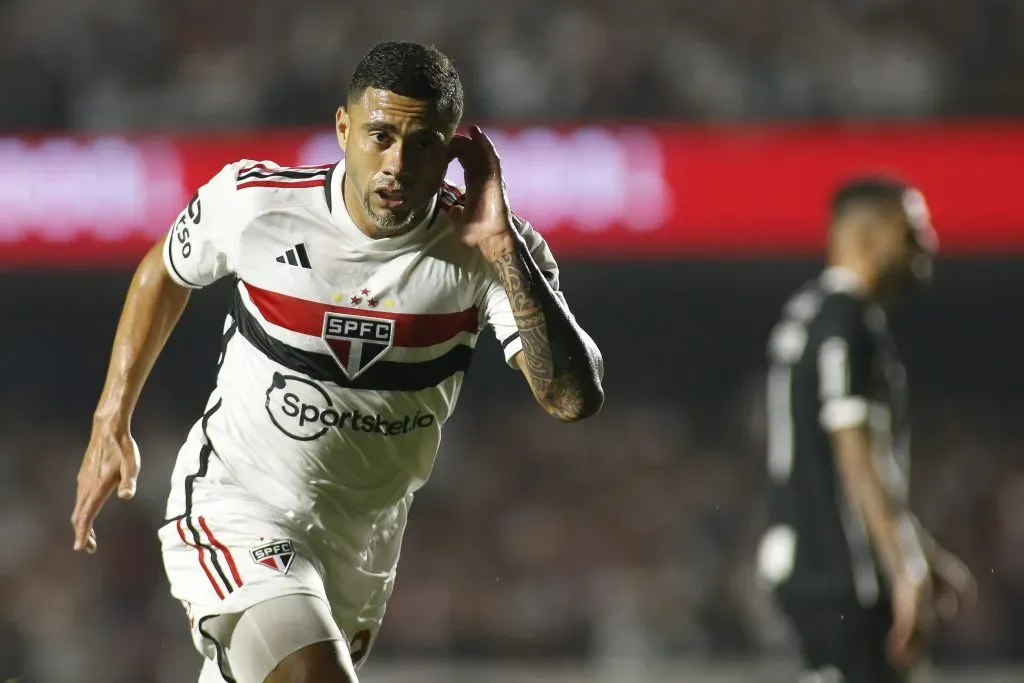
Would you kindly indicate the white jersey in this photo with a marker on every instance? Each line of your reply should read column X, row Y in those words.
column 343, row 355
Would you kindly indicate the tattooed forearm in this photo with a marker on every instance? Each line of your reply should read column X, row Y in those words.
column 559, row 363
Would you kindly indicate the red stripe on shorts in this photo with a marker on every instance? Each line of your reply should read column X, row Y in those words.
column 202, row 560
column 223, row 548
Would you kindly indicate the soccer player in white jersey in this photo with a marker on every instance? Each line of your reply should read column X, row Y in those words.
column 359, row 292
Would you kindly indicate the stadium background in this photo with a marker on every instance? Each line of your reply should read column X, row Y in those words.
column 677, row 155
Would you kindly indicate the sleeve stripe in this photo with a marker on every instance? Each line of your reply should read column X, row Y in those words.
column 261, row 171
column 174, row 268
column 514, row 348
column 508, row 340
column 844, row 413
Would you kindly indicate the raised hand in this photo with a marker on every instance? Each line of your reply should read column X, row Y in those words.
column 485, row 213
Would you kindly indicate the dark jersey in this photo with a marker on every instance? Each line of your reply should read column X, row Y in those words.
column 833, row 366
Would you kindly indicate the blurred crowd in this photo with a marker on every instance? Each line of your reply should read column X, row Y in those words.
column 158, row 64
column 630, row 536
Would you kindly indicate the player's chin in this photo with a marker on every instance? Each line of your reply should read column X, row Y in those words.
column 388, row 222
column 388, row 218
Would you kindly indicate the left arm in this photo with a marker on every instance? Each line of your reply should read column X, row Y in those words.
column 560, row 361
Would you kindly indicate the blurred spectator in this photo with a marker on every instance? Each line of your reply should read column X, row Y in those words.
column 145, row 64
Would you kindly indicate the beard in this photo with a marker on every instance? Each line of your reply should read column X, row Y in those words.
column 390, row 223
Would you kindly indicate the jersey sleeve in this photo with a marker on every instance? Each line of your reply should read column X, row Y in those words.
column 497, row 309
column 844, row 363
column 202, row 244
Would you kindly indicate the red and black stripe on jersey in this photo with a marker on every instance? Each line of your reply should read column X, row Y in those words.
column 261, row 175
column 306, row 317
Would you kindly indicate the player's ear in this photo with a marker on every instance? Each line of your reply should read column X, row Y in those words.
column 342, row 126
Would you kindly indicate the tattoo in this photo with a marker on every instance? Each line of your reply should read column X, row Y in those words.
column 560, row 366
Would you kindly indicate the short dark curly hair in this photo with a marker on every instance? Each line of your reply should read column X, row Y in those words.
column 411, row 70
column 868, row 189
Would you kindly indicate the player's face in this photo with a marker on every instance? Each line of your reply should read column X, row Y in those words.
column 396, row 155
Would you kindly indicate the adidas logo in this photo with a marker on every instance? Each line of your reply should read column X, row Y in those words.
column 296, row 256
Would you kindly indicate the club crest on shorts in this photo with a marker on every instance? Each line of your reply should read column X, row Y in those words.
column 277, row 555
column 357, row 341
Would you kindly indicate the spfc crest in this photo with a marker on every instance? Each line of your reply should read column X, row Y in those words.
column 277, row 555
column 357, row 341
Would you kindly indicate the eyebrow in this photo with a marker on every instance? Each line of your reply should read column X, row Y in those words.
column 380, row 125
column 386, row 127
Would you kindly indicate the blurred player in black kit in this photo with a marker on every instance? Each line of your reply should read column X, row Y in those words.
column 856, row 575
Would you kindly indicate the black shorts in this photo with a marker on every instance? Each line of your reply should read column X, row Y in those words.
column 840, row 636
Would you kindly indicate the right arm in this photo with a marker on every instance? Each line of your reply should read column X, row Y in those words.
column 151, row 310
column 198, row 250
column 845, row 364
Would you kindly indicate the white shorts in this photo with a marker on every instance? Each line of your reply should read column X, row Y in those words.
column 231, row 552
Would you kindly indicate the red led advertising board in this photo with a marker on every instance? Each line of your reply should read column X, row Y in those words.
column 600, row 192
